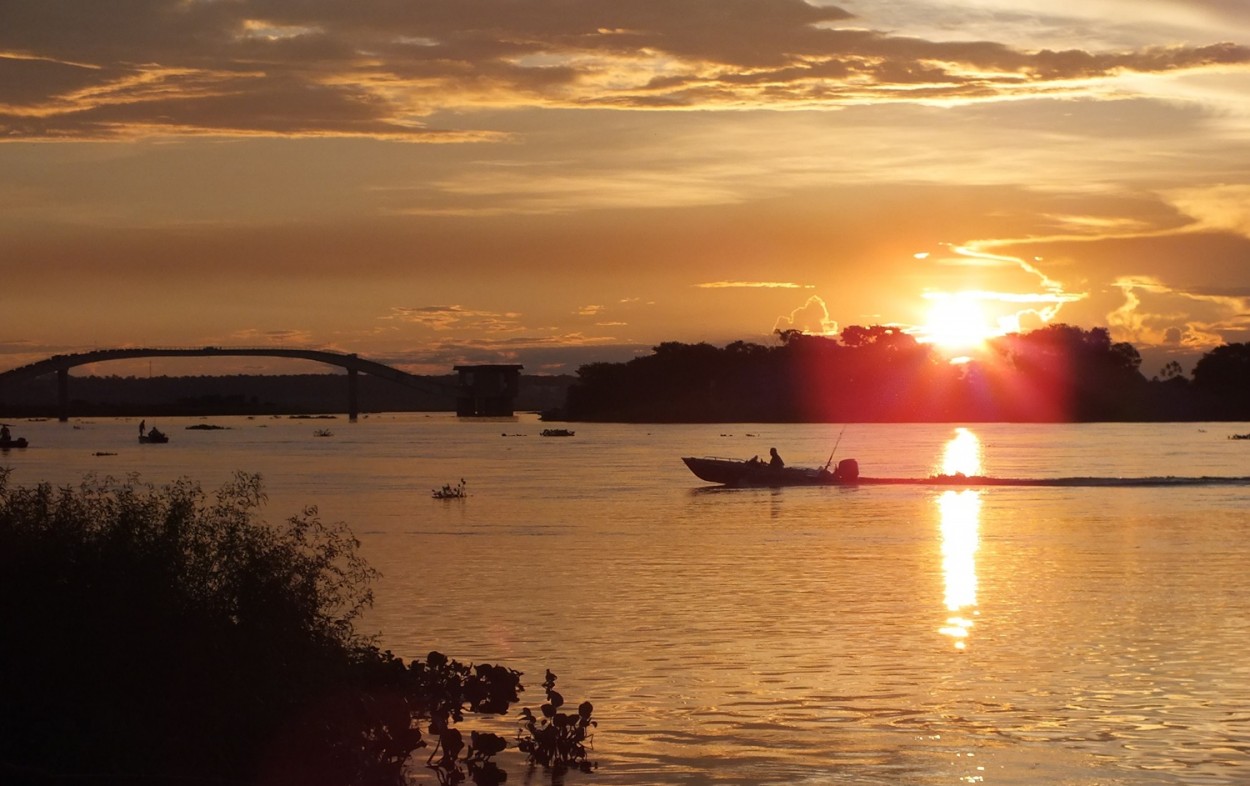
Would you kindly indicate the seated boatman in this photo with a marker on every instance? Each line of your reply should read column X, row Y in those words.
column 775, row 462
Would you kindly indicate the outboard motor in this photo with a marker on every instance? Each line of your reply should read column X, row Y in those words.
column 848, row 469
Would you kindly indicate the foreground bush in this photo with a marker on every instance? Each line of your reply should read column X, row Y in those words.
column 155, row 635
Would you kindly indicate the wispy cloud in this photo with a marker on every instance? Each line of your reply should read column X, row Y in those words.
column 256, row 337
column 1218, row 207
column 456, row 317
column 556, row 351
column 753, row 285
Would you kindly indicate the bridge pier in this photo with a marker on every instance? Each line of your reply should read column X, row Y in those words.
column 353, row 395
column 62, row 394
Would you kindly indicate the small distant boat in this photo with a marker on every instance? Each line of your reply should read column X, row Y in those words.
column 556, row 432
column 154, row 437
column 7, row 441
column 753, row 472
column 1239, row 436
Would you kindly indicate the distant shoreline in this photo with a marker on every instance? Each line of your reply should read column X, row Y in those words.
column 250, row 394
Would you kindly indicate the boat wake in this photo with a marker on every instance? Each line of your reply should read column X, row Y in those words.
column 979, row 481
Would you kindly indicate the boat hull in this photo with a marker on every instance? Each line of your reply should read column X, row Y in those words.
column 732, row 472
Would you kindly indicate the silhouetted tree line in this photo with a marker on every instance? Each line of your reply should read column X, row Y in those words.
column 1059, row 373
column 155, row 636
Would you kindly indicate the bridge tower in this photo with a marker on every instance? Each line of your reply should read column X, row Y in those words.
column 487, row 390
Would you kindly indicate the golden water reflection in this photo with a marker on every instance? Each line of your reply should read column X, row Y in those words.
column 959, row 513
column 962, row 454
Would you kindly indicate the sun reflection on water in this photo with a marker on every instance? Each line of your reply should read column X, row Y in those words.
column 962, row 454
column 959, row 513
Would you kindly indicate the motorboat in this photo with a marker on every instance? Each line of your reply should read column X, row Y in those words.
column 753, row 472
column 154, row 436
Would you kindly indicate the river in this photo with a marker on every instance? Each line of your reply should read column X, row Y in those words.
column 1086, row 636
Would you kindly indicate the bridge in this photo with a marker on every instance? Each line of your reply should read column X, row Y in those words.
column 468, row 394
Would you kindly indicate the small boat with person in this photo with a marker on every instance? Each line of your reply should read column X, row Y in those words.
column 153, row 436
column 753, row 472
column 7, row 440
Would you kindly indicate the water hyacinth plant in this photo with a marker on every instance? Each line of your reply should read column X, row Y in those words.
column 557, row 740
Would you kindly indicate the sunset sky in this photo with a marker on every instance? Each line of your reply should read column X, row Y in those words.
column 550, row 182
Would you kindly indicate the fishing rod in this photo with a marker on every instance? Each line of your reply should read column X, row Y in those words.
column 835, row 446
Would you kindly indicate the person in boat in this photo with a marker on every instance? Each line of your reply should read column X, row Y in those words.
column 5, row 436
column 142, row 427
column 775, row 461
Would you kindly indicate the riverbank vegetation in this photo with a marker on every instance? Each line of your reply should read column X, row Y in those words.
column 881, row 374
column 159, row 635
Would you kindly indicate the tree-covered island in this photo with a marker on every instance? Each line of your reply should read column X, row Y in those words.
column 1059, row 373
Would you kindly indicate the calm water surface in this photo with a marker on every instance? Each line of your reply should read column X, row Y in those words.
column 873, row 635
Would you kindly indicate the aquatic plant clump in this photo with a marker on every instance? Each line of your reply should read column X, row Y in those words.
column 448, row 491
column 557, row 740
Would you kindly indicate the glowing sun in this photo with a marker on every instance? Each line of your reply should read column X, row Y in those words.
column 957, row 323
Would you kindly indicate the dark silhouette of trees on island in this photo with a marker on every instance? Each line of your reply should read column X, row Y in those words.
column 1059, row 373
column 155, row 636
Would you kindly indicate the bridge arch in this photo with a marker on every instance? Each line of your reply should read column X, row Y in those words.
column 61, row 364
